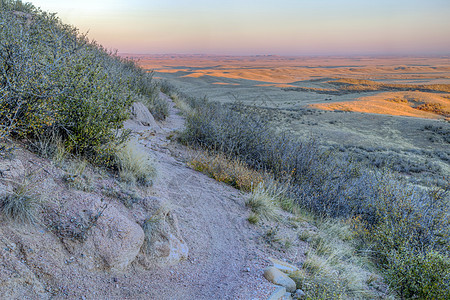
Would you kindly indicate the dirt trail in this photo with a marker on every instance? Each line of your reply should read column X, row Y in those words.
column 226, row 253
column 226, row 258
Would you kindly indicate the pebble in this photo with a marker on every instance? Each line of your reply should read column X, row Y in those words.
column 287, row 296
column 299, row 294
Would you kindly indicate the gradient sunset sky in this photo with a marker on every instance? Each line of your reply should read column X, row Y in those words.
column 247, row 27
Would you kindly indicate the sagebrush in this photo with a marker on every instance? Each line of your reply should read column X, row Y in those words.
column 53, row 79
column 393, row 218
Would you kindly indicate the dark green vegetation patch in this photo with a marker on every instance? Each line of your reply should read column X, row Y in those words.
column 54, row 82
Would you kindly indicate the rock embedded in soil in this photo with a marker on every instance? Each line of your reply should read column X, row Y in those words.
column 277, row 277
column 287, row 296
column 283, row 266
column 117, row 239
column 141, row 114
column 166, row 245
column 278, row 293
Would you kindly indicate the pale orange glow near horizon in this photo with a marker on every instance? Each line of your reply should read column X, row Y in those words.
column 285, row 27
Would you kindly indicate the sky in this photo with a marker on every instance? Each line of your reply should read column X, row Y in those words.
column 262, row 27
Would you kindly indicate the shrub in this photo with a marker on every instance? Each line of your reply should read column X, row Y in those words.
column 150, row 97
column 418, row 275
column 390, row 215
column 166, row 87
column 52, row 78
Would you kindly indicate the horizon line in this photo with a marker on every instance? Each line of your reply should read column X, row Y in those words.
column 443, row 55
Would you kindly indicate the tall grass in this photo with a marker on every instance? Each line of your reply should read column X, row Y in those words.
column 396, row 220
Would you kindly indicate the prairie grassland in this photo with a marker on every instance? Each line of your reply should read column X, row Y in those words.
column 386, row 112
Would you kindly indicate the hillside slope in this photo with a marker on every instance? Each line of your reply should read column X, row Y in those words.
column 226, row 253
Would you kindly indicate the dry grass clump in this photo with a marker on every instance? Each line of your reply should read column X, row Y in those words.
column 77, row 176
column 230, row 171
column 332, row 270
column 135, row 164
column 22, row 204
column 266, row 195
column 253, row 218
column 263, row 203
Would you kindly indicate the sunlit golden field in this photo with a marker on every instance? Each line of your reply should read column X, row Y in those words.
column 388, row 111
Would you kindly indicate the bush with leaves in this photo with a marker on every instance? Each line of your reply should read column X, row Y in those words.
column 393, row 218
column 52, row 78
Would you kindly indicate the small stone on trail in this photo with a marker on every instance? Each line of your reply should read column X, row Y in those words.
column 283, row 266
column 279, row 292
column 299, row 294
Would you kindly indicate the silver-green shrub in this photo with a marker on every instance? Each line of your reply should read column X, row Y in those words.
column 52, row 78
column 396, row 220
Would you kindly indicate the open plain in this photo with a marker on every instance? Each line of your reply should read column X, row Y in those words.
column 386, row 111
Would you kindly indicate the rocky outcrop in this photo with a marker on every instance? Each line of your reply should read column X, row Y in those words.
column 98, row 234
column 141, row 114
column 117, row 239
column 164, row 244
